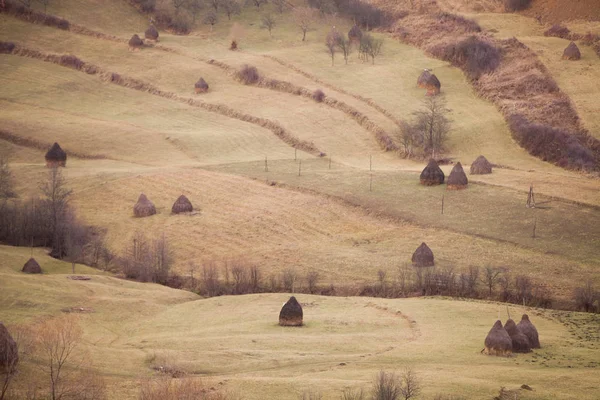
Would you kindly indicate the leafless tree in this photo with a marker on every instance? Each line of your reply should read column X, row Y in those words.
column 210, row 279
column 178, row 4
column 331, row 42
column 410, row 386
column 257, row 3
column 194, row 7
column 75, row 241
column 57, row 200
column 354, row 394
column 370, row 47
column 404, row 272
column 231, row 7
column 490, row 278
column 312, row 278
column 211, row 19
column 432, row 124
column 304, row 18
column 280, row 5
column 288, row 277
column 162, row 260
column 386, row 386
column 524, row 289
column 255, row 278
column 268, row 22
column 345, row 46
column 6, row 176
column 586, row 298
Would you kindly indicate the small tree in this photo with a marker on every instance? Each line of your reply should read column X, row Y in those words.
column 162, row 260
column 312, row 278
column 6, row 176
column 490, row 278
column 432, row 125
column 57, row 201
column 386, row 386
column 288, row 278
column 345, row 46
column 211, row 19
column 280, row 5
column 178, row 4
column 268, row 22
column 231, row 7
column 410, row 386
column 586, row 298
column 331, row 42
column 304, row 18
column 370, row 47
column 257, row 3
column 194, row 7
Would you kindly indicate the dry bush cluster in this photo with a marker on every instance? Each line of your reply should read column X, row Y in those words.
column 148, row 260
column 27, row 14
column 473, row 55
column 165, row 388
column 318, row 95
column 362, row 13
column 248, row 75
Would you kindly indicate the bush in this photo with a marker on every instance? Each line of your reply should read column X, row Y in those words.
column 145, row 5
column 181, row 24
column 516, row 5
column 6, row 47
column 476, row 56
column 586, row 298
column 248, row 75
column 558, row 31
column 318, row 95
column 468, row 25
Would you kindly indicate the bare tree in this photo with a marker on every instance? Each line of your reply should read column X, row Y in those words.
column 210, row 279
column 304, row 18
column 312, row 278
column 231, row 7
column 410, row 386
column 404, row 272
column 211, row 19
column 57, row 200
column 162, row 257
column 215, row 4
column 280, row 5
column 75, row 241
column 386, row 386
column 288, row 277
column 194, row 7
column 490, row 277
column 586, row 297
column 178, row 4
column 6, row 176
column 353, row 394
column 524, row 289
column 370, row 47
column 331, row 42
column 345, row 46
column 258, row 3
column 268, row 22
column 433, row 124
column 254, row 278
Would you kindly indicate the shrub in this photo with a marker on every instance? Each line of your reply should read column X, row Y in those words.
column 586, row 298
column 473, row 54
column 248, row 75
column 71, row 62
column 468, row 25
column 558, row 31
column 318, row 95
column 181, row 24
column 516, row 5
column 6, row 47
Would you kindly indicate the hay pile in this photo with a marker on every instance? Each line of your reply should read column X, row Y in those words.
column 9, row 353
column 481, row 166
column 571, row 52
column 32, row 267
column 143, row 207
column 432, row 174
column 151, row 33
column 423, row 78
column 457, row 179
column 56, row 157
column 135, row 43
column 423, row 256
column 433, row 85
column 498, row 341
column 520, row 342
column 530, row 331
column 355, row 34
column 182, row 205
column 201, row 86
column 291, row 313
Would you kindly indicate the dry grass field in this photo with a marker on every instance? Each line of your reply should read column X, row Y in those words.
column 130, row 141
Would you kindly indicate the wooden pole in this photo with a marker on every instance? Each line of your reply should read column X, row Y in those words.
column 534, row 227
column 295, row 154
column 300, row 168
column 370, row 162
column 442, row 204
column 266, row 165
column 330, row 161
column 370, row 182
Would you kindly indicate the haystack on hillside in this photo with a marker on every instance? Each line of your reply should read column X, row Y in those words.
column 181, row 205
column 9, row 353
column 423, row 78
column 291, row 313
column 520, row 342
column 423, row 256
column 56, row 157
column 432, row 174
column 355, row 34
column 530, row 331
column 498, row 341
column 32, row 267
column 433, row 85
column 201, row 86
column 143, row 207
column 457, row 179
column 481, row 166
column 571, row 52
column 135, row 43
column 151, row 33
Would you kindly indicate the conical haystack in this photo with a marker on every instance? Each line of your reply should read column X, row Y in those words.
column 355, row 34
column 520, row 342
column 151, row 33
column 135, row 43
column 423, row 256
column 291, row 313
column 530, row 331
column 457, row 179
column 433, row 85
column 143, row 207
column 423, row 78
column 181, row 205
column 9, row 352
column 201, row 86
column 481, row 166
column 32, row 267
column 56, row 157
column 432, row 174
column 498, row 341
column 571, row 52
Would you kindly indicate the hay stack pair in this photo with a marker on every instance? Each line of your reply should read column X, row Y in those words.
column 433, row 175
column 503, row 341
column 429, row 81
column 145, row 208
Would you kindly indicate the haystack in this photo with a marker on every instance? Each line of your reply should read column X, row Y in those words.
column 432, row 174
column 135, row 43
column 498, row 341
column 143, row 207
column 291, row 313
column 457, row 179
column 520, row 342
column 423, row 78
column 571, row 52
column 481, row 166
column 355, row 34
column 56, row 157
column 9, row 353
column 32, row 267
column 234, row 45
column 423, row 256
column 181, row 205
column 529, row 330
column 201, row 86
column 433, row 85
column 151, row 33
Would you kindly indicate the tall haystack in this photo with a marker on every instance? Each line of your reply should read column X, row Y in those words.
column 481, row 166
column 423, row 256
column 9, row 352
column 32, row 267
column 355, row 34
column 498, row 341
column 529, row 330
column 457, row 179
column 571, row 52
column 151, row 33
column 56, row 157
column 432, row 174
column 181, row 205
column 423, row 78
column 520, row 342
column 433, row 85
column 291, row 313
column 201, row 86
column 135, row 43
column 143, row 207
